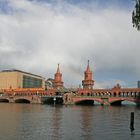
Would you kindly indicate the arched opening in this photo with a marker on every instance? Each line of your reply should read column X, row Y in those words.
column 132, row 94
column 4, row 101
column 53, row 100
column 127, row 94
column 119, row 94
column 48, row 101
column 66, row 98
column 85, row 102
column 22, row 101
column 88, row 94
column 114, row 94
column 58, row 93
column 116, row 103
column 123, row 102
column 126, row 102
column 82, row 94
column 109, row 93
column 138, row 94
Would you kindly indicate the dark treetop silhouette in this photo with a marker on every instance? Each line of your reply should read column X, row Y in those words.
column 136, row 15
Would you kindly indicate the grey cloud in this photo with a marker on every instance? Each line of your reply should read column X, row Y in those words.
column 36, row 37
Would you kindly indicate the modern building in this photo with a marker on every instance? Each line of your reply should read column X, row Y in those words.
column 20, row 79
column 138, row 84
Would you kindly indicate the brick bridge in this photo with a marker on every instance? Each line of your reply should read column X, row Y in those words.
column 59, row 95
column 32, row 95
column 112, row 96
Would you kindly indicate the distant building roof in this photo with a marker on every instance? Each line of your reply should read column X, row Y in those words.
column 15, row 70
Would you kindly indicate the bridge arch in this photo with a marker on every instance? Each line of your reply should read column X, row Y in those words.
column 114, row 94
column 116, row 102
column 4, row 100
column 119, row 101
column 52, row 100
column 131, row 100
column 86, row 101
column 22, row 100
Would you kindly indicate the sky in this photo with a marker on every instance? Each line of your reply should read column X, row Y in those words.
column 36, row 35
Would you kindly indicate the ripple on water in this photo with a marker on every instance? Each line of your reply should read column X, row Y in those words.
column 33, row 122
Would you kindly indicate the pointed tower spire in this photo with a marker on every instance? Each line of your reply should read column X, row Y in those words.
column 58, row 70
column 88, row 82
column 58, row 79
column 88, row 68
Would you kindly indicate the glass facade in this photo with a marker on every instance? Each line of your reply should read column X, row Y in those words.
column 138, row 84
column 31, row 82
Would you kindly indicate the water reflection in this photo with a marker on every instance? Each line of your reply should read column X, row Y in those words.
column 56, row 129
column 34, row 122
column 86, row 123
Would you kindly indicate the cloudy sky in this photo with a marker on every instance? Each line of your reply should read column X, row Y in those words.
column 36, row 35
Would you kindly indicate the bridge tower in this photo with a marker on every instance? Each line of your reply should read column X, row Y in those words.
column 58, row 83
column 88, row 82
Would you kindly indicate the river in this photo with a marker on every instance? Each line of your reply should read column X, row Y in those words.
column 46, row 122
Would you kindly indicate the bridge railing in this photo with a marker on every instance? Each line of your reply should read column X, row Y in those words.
column 88, row 95
column 102, row 95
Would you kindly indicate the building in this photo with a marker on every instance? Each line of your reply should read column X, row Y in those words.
column 88, row 82
column 20, row 79
column 58, row 83
column 49, row 83
column 138, row 84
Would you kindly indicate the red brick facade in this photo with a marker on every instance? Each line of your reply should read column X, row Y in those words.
column 58, row 83
column 88, row 82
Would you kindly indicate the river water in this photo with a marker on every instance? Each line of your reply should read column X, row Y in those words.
column 45, row 122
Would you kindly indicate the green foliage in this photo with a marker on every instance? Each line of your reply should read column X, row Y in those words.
column 136, row 15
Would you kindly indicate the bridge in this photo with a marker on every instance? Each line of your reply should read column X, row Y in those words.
column 32, row 95
column 104, row 100
column 20, row 99
column 57, row 99
column 114, row 96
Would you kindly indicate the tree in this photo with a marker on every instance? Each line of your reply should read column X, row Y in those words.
column 136, row 15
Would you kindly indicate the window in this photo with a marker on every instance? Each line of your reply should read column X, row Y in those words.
column 31, row 82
